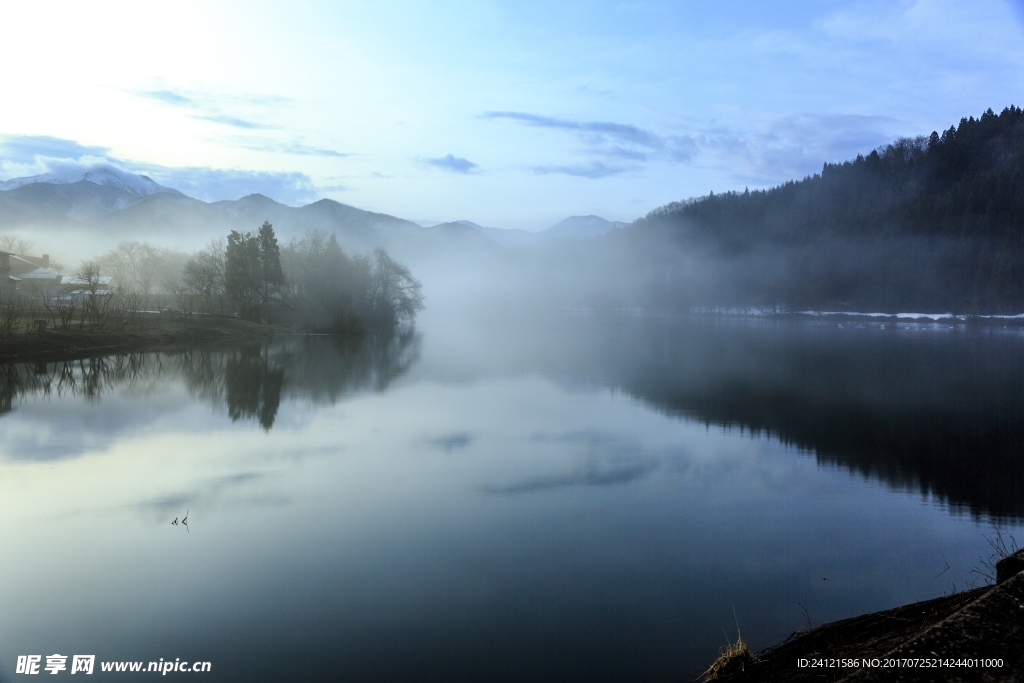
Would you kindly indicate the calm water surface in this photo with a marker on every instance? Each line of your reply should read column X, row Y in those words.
column 591, row 498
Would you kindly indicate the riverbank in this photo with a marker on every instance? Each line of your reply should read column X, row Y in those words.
column 862, row 316
column 947, row 639
column 839, row 318
column 156, row 333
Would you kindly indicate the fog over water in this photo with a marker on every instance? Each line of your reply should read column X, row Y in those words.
column 569, row 496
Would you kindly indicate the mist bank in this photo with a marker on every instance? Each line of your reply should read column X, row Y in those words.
column 928, row 225
column 76, row 221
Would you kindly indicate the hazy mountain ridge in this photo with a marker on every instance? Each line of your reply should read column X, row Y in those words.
column 582, row 227
column 506, row 237
column 128, row 206
column 931, row 223
column 97, row 174
column 81, row 194
column 354, row 227
column 82, row 200
column 571, row 228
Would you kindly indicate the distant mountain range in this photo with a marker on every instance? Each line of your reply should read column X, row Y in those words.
column 133, row 206
column 126, row 205
column 82, row 195
column 99, row 174
column 574, row 227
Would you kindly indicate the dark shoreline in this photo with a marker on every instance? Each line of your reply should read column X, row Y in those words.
column 157, row 334
column 837, row 317
column 982, row 623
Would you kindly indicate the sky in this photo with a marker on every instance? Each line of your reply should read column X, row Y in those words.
column 509, row 114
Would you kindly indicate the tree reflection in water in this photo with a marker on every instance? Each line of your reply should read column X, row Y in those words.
column 919, row 407
column 249, row 380
column 253, row 380
column 87, row 378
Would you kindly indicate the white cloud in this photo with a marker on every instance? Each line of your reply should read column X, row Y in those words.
column 452, row 163
column 761, row 152
column 789, row 147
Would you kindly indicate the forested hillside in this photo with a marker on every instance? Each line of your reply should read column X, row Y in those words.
column 932, row 223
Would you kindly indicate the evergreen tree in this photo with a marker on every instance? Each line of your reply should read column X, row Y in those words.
column 271, row 275
column 253, row 277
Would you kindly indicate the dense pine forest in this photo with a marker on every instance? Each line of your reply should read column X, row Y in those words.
column 932, row 223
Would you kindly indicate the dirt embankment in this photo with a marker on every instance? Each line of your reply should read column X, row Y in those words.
column 976, row 635
column 157, row 333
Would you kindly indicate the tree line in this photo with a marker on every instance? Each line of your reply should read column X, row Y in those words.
column 311, row 282
column 934, row 222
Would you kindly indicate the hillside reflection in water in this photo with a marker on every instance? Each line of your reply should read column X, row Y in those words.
column 934, row 408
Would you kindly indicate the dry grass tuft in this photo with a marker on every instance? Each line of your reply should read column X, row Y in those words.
column 734, row 657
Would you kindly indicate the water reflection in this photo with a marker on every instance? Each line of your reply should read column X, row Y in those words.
column 253, row 382
column 920, row 407
column 248, row 380
column 926, row 409
column 541, row 503
column 607, row 459
column 87, row 378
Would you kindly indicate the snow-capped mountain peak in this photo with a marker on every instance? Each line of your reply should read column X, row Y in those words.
column 97, row 174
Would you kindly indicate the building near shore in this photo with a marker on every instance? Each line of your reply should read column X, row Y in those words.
column 8, row 282
column 99, row 286
column 28, row 274
column 33, row 276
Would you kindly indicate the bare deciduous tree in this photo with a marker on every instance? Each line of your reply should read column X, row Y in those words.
column 203, row 277
column 141, row 267
column 95, row 298
column 15, row 244
column 61, row 309
column 394, row 293
column 13, row 308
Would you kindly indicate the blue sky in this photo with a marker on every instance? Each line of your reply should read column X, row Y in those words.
column 511, row 114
